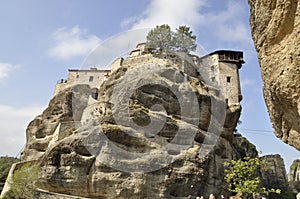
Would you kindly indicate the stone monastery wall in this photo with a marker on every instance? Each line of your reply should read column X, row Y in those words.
column 220, row 69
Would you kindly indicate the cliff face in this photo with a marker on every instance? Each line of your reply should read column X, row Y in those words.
column 153, row 132
column 294, row 176
column 62, row 111
column 275, row 30
column 275, row 175
column 142, row 144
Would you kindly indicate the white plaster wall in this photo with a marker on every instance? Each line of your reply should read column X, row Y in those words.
column 83, row 77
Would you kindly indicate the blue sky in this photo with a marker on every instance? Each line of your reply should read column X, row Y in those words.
column 40, row 40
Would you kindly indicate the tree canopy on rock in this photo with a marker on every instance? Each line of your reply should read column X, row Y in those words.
column 162, row 38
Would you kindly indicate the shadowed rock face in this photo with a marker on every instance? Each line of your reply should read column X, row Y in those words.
column 275, row 174
column 276, row 34
column 294, row 176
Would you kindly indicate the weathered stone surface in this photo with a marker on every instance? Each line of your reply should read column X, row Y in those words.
column 99, row 155
column 243, row 148
column 40, row 133
column 275, row 30
column 294, row 176
column 82, row 161
column 274, row 176
column 70, row 173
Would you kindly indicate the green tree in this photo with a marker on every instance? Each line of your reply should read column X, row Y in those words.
column 242, row 177
column 162, row 38
column 184, row 40
column 5, row 164
column 24, row 182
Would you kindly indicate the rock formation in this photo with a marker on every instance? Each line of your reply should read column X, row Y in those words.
column 42, row 132
column 88, row 149
column 275, row 175
column 276, row 34
column 138, row 139
column 294, row 176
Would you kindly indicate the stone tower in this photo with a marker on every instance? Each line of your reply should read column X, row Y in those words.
column 222, row 68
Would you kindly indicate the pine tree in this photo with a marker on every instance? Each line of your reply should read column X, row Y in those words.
column 162, row 38
column 184, row 40
column 159, row 38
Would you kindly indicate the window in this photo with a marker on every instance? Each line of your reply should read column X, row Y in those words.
column 91, row 78
column 77, row 76
column 212, row 68
column 228, row 79
column 213, row 79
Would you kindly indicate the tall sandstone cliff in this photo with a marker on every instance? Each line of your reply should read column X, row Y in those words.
column 88, row 150
column 98, row 158
column 276, row 34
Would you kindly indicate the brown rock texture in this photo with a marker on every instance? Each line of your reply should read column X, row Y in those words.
column 94, row 149
column 98, row 158
column 40, row 133
column 276, row 34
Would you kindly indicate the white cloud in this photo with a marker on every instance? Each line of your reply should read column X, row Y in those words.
column 6, row 68
column 223, row 26
column 129, row 21
column 228, row 24
column 247, row 82
column 13, row 123
column 74, row 42
column 114, row 47
column 174, row 13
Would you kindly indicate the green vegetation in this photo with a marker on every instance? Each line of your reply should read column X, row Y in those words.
column 293, row 168
column 24, row 182
column 159, row 38
column 184, row 40
column 162, row 38
column 5, row 164
column 242, row 177
column 283, row 195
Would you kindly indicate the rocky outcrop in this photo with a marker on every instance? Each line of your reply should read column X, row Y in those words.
column 275, row 30
column 139, row 139
column 294, row 176
column 187, row 175
column 63, row 112
column 162, row 135
column 274, row 175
